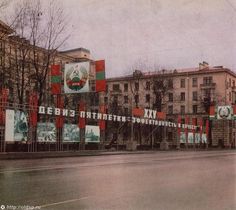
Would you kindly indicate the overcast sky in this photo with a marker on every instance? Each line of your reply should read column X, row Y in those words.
column 164, row 33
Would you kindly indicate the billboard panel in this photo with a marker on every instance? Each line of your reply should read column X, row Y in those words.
column 190, row 138
column 204, row 138
column 46, row 132
column 16, row 126
column 182, row 137
column 20, row 126
column 92, row 134
column 71, row 133
column 76, row 77
column 197, row 138
column 9, row 129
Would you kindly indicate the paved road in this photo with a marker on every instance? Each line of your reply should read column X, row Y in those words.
column 159, row 181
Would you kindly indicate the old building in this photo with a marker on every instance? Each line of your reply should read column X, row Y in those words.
column 185, row 92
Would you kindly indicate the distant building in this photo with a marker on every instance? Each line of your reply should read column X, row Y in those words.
column 185, row 92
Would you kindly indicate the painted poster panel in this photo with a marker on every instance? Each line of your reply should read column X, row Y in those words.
column 46, row 132
column 76, row 77
column 190, row 138
column 182, row 137
column 9, row 125
column 197, row 138
column 16, row 126
column 71, row 133
column 204, row 138
column 92, row 134
column 20, row 126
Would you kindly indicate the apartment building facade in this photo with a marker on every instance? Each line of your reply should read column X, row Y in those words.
column 184, row 92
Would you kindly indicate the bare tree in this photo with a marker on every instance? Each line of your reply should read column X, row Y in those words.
column 3, row 4
column 45, row 31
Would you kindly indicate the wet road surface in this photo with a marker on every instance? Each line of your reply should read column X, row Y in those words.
column 159, row 180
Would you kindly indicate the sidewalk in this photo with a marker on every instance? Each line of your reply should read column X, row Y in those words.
column 56, row 154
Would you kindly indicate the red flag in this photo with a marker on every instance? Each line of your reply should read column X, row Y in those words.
column 101, row 123
column 55, row 70
column 194, row 124
column 186, row 129
column 161, row 115
column 100, row 65
column 3, row 102
column 179, row 128
column 100, row 85
column 56, row 88
column 33, row 105
column 138, row 112
column 200, row 124
column 100, row 76
column 207, row 128
column 56, row 79
column 81, row 119
column 59, row 119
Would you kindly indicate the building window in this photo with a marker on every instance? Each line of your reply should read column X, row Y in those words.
column 230, row 96
column 194, row 95
column 116, row 87
column 126, row 87
column 207, row 92
column 182, row 96
column 207, row 80
column 182, row 109
column 147, row 98
column 136, row 86
column 170, row 97
column 194, row 82
column 233, row 83
column 148, row 85
column 170, row 83
column 170, row 109
column 126, row 99
column 194, row 109
column 136, row 99
column 182, row 83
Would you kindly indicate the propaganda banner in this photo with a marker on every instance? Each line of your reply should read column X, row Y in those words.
column 46, row 132
column 71, row 133
column 92, row 134
column 9, row 125
column 76, row 77
column 16, row 126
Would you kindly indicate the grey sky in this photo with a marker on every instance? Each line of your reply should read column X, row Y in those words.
column 164, row 33
column 146, row 33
